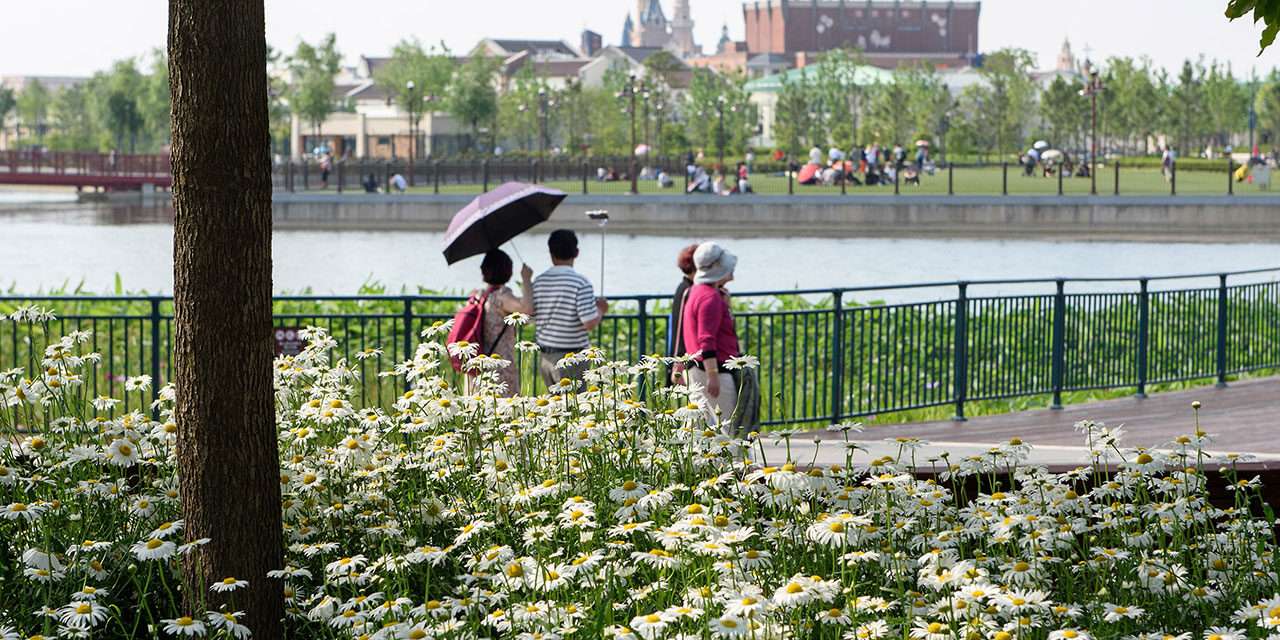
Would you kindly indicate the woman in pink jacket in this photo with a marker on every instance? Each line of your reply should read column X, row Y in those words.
column 709, row 336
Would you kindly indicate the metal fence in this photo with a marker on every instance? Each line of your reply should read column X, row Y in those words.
column 824, row 355
column 613, row 175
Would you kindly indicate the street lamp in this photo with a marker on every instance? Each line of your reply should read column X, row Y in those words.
column 1093, row 86
column 429, row 101
column 659, row 107
column 720, row 104
column 409, row 101
column 628, row 98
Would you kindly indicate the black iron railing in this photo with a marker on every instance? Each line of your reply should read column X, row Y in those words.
column 825, row 354
column 610, row 175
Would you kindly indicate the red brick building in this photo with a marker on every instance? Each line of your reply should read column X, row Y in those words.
column 889, row 32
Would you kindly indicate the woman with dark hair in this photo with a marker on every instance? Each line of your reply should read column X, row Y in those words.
column 500, row 302
column 675, row 341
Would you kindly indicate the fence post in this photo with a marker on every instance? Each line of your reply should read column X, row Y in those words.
column 951, row 179
column 340, row 164
column 155, row 354
column 1117, row 181
column 435, row 177
column 897, row 172
column 960, row 376
column 406, row 318
column 642, row 340
column 306, row 175
column 1059, row 343
column 1231, row 187
column 1144, row 336
column 534, row 167
column 1222, row 331
column 584, row 177
column 791, row 180
column 288, row 176
column 635, row 176
column 1173, row 178
column 1059, row 172
column 842, row 186
column 1004, row 178
column 484, row 173
column 386, row 176
column 837, row 360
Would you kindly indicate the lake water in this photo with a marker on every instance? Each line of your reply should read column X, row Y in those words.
column 56, row 243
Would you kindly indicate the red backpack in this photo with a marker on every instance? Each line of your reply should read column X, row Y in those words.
column 468, row 325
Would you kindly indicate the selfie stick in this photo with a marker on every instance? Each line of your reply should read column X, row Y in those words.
column 601, row 216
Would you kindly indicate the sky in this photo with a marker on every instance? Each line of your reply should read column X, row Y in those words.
column 77, row 37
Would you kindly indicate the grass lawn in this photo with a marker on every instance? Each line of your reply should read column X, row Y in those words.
column 966, row 181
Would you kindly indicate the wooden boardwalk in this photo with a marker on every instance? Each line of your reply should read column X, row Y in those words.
column 1244, row 417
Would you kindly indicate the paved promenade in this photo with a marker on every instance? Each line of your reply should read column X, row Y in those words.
column 1244, row 417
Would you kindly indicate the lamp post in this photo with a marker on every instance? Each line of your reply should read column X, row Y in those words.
column 628, row 98
column 410, row 102
column 720, row 103
column 1092, row 87
column 659, row 108
column 1253, row 114
column 428, row 108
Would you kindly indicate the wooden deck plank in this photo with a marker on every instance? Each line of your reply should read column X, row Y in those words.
column 1244, row 416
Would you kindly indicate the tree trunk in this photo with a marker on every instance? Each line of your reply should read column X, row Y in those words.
column 227, row 449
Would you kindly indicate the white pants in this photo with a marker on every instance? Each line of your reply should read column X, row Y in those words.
column 720, row 408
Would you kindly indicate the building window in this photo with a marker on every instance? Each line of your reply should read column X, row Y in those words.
column 384, row 140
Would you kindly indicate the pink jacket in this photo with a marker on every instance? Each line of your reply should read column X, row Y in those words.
column 707, row 324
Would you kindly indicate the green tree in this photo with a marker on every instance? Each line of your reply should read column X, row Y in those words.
column 75, row 127
column 792, row 123
column 1226, row 104
column 7, row 104
column 472, row 97
column 153, row 102
column 927, row 100
column 996, row 111
column 429, row 69
column 124, row 119
column 1267, row 105
column 33, row 108
column 1129, row 105
column 887, row 118
column 312, row 69
column 836, row 99
column 720, row 114
column 279, row 123
column 1183, row 114
column 1264, row 11
column 1065, row 114
column 518, row 108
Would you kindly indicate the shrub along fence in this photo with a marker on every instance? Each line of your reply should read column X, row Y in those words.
column 612, row 175
column 825, row 355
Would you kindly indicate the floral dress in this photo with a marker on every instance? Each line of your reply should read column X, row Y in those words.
column 505, row 347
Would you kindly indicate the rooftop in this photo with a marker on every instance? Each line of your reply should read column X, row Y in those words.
column 862, row 75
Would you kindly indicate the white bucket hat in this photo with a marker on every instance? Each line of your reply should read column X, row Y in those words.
column 714, row 263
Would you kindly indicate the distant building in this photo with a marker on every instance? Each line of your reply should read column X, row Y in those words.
column 539, row 49
column 590, row 44
column 629, row 60
column 651, row 30
column 888, row 32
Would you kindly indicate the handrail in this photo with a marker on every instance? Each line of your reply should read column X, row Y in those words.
column 293, row 297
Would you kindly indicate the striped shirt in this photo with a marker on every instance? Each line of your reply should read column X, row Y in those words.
column 562, row 301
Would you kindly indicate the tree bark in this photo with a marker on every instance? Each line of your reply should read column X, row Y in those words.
column 228, row 460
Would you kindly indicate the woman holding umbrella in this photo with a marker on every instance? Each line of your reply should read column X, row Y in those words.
column 499, row 302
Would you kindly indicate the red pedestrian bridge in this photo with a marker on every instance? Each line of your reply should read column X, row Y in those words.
column 107, row 171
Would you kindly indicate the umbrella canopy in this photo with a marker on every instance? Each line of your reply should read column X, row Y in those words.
column 1040, row 145
column 1052, row 155
column 496, row 217
column 922, row 143
column 807, row 172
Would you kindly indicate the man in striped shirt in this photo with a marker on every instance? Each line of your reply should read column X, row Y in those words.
column 565, row 308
